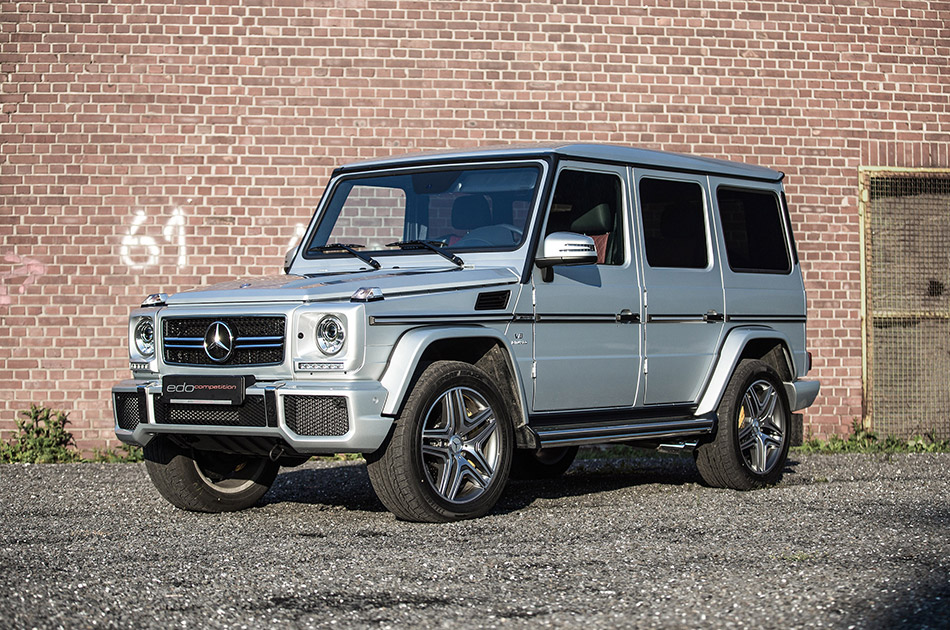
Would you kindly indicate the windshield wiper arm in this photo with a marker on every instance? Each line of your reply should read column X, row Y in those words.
column 432, row 246
column 349, row 248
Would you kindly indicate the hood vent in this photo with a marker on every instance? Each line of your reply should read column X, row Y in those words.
column 492, row 301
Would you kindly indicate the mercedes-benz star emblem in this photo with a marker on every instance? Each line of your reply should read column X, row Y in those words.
column 219, row 342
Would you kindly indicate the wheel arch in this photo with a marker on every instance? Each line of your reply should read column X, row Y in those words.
column 482, row 347
column 762, row 343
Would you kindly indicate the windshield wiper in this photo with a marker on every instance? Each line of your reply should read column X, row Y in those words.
column 432, row 246
column 349, row 248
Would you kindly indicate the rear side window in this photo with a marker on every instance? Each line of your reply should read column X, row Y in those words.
column 753, row 229
column 674, row 224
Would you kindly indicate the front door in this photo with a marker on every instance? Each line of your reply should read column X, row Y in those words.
column 586, row 330
column 682, row 283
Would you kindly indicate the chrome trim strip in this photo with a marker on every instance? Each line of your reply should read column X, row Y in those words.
column 676, row 319
column 557, row 318
column 380, row 320
column 622, row 433
column 785, row 319
column 388, row 320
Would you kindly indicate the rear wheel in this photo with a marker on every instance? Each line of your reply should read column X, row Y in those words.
column 544, row 463
column 450, row 450
column 751, row 442
column 203, row 481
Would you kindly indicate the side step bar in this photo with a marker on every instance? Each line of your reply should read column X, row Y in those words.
column 579, row 434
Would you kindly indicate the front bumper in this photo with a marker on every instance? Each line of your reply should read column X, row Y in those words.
column 310, row 417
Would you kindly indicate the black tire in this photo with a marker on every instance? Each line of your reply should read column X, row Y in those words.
column 438, row 466
column 202, row 481
column 751, row 442
column 545, row 463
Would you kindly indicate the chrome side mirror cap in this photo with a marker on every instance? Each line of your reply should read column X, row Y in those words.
column 566, row 248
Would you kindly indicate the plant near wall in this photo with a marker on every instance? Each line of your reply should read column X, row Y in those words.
column 862, row 440
column 41, row 438
column 125, row 454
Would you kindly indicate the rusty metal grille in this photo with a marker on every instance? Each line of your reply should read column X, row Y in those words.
column 907, row 301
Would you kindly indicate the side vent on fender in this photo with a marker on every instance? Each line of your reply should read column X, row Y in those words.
column 492, row 301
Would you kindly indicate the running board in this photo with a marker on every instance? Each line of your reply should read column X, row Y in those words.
column 585, row 434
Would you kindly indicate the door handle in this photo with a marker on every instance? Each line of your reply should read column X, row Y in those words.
column 712, row 316
column 626, row 316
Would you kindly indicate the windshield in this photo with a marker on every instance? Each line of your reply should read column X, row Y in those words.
column 461, row 209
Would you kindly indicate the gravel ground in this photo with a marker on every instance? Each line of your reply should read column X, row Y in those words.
column 844, row 541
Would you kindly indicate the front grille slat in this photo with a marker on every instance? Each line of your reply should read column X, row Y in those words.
column 258, row 340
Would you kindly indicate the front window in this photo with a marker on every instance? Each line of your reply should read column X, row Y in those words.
column 452, row 208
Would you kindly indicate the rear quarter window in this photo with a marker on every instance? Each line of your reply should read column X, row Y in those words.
column 754, row 231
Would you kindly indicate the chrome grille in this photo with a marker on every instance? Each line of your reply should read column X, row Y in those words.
column 257, row 340
column 316, row 415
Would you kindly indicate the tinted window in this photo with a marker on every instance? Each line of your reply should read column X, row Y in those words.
column 674, row 227
column 590, row 203
column 753, row 230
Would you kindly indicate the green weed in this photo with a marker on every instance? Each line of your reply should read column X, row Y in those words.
column 41, row 438
column 125, row 454
column 862, row 440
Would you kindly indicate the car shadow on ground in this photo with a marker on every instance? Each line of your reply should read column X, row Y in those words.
column 347, row 485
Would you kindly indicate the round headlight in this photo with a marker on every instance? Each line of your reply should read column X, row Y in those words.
column 145, row 337
column 330, row 335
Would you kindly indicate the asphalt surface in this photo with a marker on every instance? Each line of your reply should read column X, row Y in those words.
column 843, row 541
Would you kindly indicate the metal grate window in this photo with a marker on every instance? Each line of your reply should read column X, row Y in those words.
column 907, row 301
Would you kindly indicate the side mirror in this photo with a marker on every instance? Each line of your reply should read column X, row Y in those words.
column 289, row 259
column 565, row 248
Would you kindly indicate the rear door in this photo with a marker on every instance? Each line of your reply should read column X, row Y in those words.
column 761, row 275
column 682, row 284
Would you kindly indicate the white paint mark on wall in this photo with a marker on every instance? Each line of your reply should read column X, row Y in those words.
column 30, row 269
column 174, row 233
column 139, row 250
column 299, row 230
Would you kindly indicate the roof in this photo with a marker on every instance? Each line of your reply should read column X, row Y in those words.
column 633, row 156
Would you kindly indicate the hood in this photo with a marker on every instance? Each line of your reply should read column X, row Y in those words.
column 337, row 287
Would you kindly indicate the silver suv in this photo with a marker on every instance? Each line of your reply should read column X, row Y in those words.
column 463, row 318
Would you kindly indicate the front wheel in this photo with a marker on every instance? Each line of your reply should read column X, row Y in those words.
column 450, row 450
column 751, row 442
column 202, row 481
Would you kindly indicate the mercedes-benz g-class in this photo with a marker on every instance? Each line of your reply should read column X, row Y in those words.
column 463, row 317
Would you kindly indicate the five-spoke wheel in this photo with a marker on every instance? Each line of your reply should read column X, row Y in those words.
column 761, row 427
column 460, row 445
column 751, row 440
column 450, row 450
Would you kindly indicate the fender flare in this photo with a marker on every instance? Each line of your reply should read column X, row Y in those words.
column 409, row 349
column 729, row 354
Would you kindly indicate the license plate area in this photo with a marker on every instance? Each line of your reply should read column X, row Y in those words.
column 204, row 390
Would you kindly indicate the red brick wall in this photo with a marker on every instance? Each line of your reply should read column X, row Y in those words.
column 156, row 144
